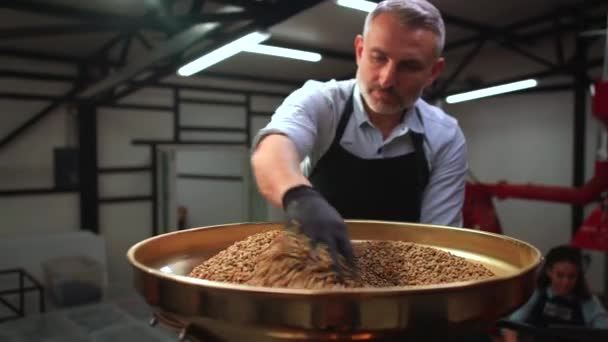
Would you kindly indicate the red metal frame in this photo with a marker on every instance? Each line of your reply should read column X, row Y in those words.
column 479, row 212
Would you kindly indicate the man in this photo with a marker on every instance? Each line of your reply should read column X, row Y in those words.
column 376, row 150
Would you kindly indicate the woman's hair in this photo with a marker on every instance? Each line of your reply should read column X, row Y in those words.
column 565, row 254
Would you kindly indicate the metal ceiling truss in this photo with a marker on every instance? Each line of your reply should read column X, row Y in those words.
column 90, row 20
column 86, row 73
column 182, row 33
column 553, row 62
column 175, row 54
column 102, row 80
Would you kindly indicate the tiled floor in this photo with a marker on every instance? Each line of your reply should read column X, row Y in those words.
column 118, row 320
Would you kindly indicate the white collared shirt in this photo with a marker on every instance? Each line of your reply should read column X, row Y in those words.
column 310, row 115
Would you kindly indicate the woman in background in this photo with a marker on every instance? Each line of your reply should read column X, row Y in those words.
column 562, row 296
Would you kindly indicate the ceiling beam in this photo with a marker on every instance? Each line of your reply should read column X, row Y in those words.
column 51, row 30
column 40, row 56
column 37, row 76
column 563, row 69
column 77, row 86
column 464, row 62
column 97, row 20
column 236, row 77
column 116, row 25
column 280, row 12
column 535, row 21
column 168, row 49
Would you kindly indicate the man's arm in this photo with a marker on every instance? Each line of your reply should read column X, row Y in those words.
column 444, row 195
column 276, row 167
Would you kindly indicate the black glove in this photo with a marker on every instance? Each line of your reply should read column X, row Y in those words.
column 317, row 219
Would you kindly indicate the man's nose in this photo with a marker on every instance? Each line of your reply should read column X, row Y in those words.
column 387, row 75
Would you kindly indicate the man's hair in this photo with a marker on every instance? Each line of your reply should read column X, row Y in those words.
column 412, row 13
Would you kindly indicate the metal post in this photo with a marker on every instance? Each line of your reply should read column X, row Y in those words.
column 154, row 185
column 603, row 142
column 580, row 111
column 87, row 155
column 176, row 114
column 21, row 295
column 605, row 70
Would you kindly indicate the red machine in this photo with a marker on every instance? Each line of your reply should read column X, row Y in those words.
column 479, row 210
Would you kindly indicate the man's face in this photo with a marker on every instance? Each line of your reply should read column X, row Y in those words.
column 395, row 63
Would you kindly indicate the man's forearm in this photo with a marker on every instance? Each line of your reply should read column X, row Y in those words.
column 276, row 167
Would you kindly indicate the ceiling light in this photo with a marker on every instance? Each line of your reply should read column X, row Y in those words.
column 222, row 53
column 501, row 89
column 361, row 5
column 283, row 52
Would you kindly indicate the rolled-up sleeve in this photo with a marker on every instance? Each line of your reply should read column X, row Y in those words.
column 444, row 195
column 298, row 117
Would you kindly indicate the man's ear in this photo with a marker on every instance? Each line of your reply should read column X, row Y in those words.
column 436, row 70
column 358, row 47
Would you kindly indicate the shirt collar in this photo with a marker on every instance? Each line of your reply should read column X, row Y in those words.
column 411, row 120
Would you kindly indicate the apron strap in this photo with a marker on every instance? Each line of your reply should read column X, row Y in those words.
column 344, row 118
column 422, row 166
column 421, row 160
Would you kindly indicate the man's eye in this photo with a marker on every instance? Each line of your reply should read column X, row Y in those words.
column 377, row 58
column 411, row 66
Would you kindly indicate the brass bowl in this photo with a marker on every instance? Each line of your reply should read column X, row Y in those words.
column 223, row 311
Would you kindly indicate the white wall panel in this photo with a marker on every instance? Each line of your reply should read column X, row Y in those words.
column 117, row 128
column 39, row 214
column 124, row 184
column 123, row 225
column 212, row 202
column 265, row 103
column 522, row 139
column 213, row 136
column 150, row 96
column 212, row 161
column 207, row 95
column 15, row 112
column 27, row 162
column 228, row 84
column 527, row 139
column 36, row 65
column 212, row 115
column 35, row 87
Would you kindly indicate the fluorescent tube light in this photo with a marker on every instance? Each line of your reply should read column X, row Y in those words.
column 222, row 53
column 283, row 52
column 361, row 5
column 501, row 89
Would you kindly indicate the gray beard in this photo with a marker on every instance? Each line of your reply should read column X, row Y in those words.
column 379, row 109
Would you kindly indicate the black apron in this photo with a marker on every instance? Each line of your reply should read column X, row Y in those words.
column 375, row 189
column 556, row 311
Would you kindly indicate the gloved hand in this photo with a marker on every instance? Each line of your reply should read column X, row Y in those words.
column 317, row 219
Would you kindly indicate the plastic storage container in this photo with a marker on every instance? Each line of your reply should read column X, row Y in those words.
column 73, row 280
